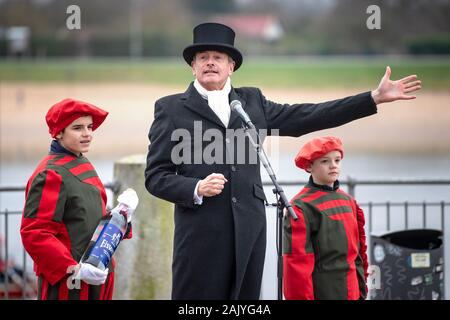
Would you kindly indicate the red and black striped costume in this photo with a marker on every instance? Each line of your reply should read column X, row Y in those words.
column 65, row 201
column 324, row 251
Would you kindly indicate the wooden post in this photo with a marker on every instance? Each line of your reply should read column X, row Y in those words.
column 144, row 263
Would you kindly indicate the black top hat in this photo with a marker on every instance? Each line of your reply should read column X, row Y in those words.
column 213, row 36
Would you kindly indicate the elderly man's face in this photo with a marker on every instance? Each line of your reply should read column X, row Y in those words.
column 212, row 68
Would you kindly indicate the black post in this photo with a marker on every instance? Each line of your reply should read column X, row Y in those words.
column 280, row 209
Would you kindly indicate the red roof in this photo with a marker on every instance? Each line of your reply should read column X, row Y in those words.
column 250, row 26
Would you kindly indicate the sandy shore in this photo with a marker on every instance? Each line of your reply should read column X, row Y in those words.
column 420, row 126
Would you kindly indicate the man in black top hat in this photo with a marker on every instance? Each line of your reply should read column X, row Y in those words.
column 220, row 223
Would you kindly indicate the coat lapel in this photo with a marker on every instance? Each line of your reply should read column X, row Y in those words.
column 195, row 103
column 234, row 116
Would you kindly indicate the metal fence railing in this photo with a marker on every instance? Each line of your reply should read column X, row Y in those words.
column 14, row 282
column 368, row 207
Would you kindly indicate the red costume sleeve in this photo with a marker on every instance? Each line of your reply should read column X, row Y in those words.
column 298, row 259
column 362, row 243
column 129, row 232
column 44, row 235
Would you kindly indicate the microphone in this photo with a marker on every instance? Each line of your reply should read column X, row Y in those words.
column 236, row 106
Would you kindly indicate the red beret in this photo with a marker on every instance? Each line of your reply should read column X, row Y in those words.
column 317, row 148
column 66, row 111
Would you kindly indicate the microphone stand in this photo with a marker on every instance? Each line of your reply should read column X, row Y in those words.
column 281, row 204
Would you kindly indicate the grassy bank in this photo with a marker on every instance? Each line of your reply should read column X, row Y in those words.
column 316, row 72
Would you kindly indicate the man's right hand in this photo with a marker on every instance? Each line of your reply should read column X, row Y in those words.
column 212, row 185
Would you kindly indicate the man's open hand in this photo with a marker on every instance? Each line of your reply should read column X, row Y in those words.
column 389, row 90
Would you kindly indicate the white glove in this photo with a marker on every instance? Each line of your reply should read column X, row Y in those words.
column 130, row 199
column 91, row 275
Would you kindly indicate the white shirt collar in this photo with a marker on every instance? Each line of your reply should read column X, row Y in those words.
column 218, row 100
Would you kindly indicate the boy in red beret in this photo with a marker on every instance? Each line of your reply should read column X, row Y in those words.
column 64, row 202
column 324, row 251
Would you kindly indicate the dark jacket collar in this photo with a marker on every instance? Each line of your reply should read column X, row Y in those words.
column 234, row 96
column 323, row 187
column 55, row 147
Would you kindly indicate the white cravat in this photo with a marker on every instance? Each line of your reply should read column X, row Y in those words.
column 217, row 100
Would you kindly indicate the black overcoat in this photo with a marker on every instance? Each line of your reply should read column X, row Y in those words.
column 219, row 246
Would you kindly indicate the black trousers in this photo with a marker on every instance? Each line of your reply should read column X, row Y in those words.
column 216, row 278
